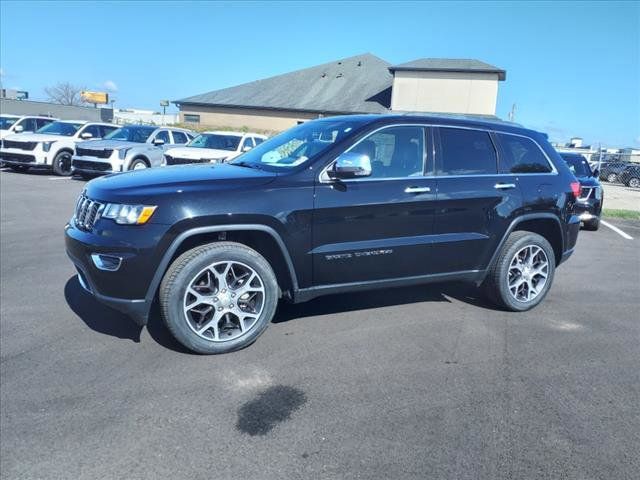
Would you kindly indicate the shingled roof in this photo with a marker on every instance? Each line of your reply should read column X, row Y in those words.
column 360, row 84
column 448, row 65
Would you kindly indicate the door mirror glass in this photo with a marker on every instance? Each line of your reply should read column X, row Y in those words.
column 86, row 135
column 246, row 148
column 351, row 165
column 596, row 173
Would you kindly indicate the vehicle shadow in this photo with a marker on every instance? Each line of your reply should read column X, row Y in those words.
column 349, row 302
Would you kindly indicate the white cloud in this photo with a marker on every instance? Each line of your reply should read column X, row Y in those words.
column 110, row 85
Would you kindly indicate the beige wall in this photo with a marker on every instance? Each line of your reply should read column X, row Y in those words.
column 253, row 119
column 450, row 92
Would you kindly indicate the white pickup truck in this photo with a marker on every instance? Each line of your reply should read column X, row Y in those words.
column 213, row 147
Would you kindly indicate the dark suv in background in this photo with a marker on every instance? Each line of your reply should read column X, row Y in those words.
column 589, row 204
column 333, row 205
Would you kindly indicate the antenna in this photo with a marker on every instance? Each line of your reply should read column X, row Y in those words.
column 512, row 113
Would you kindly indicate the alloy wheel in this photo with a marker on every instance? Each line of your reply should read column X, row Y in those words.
column 528, row 272
column 611, row 178
column 224, row 301
column 634, row 182
column 139, row 166
column 64, row 163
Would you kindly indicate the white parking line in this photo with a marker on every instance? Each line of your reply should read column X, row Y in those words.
column 59, row 178
column 617, row 230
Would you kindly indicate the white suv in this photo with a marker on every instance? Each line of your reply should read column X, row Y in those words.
column 213, row 147
column 131, row 147
column 10, row 124
column 51, row 146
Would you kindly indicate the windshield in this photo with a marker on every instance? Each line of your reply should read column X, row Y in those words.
column 131, row 134
column 578, row 165
column 298, row 144
column 65, row 129
column 217, row 141
column 6, row 122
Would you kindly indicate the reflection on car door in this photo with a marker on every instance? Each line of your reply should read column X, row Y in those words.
column 377, row 227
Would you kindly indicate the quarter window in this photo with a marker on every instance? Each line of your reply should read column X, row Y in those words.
column 394, row 152
column 521, row 155
column 191, row 118
column 466, row 152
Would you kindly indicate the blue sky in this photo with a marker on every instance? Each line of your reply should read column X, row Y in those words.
column 572, row 68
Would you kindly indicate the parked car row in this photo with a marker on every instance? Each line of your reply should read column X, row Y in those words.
column 89, row 148
column 623, row 172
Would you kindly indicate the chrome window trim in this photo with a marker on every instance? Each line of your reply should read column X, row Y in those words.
column 324, row 178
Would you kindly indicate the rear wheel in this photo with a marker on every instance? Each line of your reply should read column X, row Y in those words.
column 523, row 272
column 218, row 298
column 19, row 168
column 62, row 164
column 592, row 225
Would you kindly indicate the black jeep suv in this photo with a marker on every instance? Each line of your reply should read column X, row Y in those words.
column 589, row 204
column 333, row 205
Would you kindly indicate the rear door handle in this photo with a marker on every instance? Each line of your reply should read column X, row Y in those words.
column 504, row 186
column 417, row 190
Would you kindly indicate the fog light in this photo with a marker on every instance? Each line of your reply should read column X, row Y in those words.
column 109, row 263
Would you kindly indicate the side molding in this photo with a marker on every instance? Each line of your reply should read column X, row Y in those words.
column 164, row 263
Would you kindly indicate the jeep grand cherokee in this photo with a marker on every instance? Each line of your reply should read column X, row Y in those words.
column 333, row 205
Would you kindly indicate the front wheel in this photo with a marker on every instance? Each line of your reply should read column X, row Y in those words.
column 522, row 274
column 62, row 164
column 612, row 177
column 219, row 297
column 138, row 164
column 634, row 182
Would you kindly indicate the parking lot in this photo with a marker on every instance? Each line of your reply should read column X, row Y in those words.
column 422, row 382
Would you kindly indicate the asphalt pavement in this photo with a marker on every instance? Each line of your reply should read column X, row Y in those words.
column 416, row 383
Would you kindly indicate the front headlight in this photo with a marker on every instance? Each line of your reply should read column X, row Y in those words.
column 46, row 146
column 122, row 153
column 128, row 214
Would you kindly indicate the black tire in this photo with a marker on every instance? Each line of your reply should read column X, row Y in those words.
column 496, row 284
column 633, row 182
column 592, row 225
column 19, row 168
column 62, row 164
column 138, row 162
column 179, row 277
column 612, row 177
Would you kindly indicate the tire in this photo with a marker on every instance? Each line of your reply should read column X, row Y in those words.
column 592, row 225
column 19, row 168
column 496, row 284
column 612, row 177
column 86, row 176
column 633, row 182
column 62, row 164
column 203, row 268
column 138, row 164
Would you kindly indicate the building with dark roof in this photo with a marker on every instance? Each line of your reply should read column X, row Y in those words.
column 360, row 84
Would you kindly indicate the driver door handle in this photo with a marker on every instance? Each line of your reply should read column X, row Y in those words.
column 417, row 190
column 504, row 186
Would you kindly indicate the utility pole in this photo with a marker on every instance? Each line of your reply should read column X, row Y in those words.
column 512, row 113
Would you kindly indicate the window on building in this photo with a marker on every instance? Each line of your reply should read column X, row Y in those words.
column 394, row 152
column 179, row 137
column 190, row 118
column 466, row 152
column 521, row 155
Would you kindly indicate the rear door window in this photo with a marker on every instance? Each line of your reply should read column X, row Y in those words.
column 466, row 152
column 179, row 137
column 164, row 136
column 521, row 155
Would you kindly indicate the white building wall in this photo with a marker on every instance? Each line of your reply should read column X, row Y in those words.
column 446, row 92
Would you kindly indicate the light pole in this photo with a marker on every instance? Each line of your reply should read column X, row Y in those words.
column 164, row 104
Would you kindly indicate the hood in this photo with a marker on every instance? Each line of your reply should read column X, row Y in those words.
column 36, row 137
column 109, row 144
column 146, row 185
column 196, row 153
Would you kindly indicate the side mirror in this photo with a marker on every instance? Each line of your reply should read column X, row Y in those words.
column 158, row 141
column 86, row 136
column 351, row 165
column 596, row 173
column 246, row 148
column 18, row 128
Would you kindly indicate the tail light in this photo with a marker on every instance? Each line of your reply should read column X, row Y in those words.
column 575, row 188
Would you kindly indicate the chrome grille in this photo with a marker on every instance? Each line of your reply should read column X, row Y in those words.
column 87, row 212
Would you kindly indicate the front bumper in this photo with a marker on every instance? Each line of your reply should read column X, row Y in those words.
column 95, row 166
column 15, row 156
column 126, row 288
